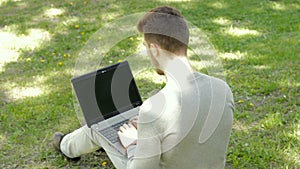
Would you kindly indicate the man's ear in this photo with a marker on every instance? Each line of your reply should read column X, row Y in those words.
column 154, row 49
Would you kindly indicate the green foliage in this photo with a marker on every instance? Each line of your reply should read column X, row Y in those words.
column 262, row 38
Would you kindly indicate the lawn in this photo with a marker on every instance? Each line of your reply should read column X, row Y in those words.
column 258, row 44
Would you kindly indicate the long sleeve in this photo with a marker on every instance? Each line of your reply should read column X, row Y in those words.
column 147, row 152
column 143, row 155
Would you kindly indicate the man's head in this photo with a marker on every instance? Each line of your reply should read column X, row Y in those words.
column 164, row 28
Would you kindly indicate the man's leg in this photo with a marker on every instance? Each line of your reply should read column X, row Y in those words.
column 84, row 140
column 78, row 142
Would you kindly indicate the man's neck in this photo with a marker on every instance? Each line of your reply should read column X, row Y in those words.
column 177, row 70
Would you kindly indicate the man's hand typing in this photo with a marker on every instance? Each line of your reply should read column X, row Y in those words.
column 127, row 135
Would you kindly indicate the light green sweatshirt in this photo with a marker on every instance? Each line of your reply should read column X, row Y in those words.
column 186, row 125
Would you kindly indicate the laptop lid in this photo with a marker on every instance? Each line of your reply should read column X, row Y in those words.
column 106, row 92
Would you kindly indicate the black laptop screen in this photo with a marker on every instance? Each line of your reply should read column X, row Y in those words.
column 116, row 91
column 106, row 92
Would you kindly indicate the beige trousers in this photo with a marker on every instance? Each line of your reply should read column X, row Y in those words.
column 84, row 140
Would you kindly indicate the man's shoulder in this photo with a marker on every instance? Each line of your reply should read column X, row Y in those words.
column 151, row 108
column 209, row 80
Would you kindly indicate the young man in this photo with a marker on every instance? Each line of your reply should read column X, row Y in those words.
column 187, row 124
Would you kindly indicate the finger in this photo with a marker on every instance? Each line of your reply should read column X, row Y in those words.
column 130, row 125
column 120, row 134
column 132, row 120
column 134, row 124
column 122, row 128
column 126, row 126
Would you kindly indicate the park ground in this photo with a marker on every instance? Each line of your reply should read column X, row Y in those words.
column 258, row 44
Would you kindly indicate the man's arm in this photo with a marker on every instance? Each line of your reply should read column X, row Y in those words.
column 146, row 153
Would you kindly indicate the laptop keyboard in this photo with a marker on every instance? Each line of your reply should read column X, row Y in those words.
column 111, row 133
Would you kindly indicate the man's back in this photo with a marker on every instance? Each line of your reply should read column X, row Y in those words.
column 191, row 122
column 192, row 151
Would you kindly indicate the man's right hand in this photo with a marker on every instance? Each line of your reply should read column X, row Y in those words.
column 133, row 121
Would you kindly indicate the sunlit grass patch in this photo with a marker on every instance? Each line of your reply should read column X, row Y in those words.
column 242, row 32
column 222, row 21
column 52, row 12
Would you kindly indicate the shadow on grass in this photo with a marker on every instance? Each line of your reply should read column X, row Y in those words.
column 261, row 35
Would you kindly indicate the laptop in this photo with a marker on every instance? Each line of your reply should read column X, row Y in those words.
column 108, row 97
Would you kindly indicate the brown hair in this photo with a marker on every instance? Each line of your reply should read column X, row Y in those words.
column 165, row 26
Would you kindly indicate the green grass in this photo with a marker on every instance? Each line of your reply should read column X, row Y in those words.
column 258, row 42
